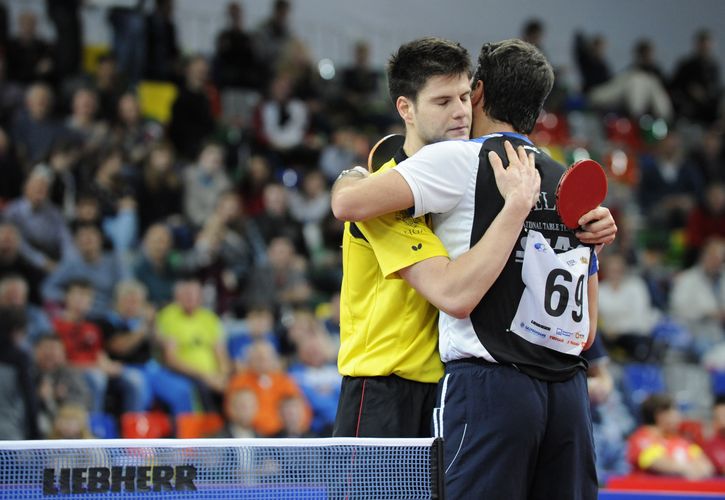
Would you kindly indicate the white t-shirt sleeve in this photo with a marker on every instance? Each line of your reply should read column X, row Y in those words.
column 439, row 175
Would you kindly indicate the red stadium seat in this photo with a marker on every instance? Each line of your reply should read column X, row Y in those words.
column 146, row 425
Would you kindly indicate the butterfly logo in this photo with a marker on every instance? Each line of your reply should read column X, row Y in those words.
column 417, row 247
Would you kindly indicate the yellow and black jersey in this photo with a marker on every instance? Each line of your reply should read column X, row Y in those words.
column 386, row 327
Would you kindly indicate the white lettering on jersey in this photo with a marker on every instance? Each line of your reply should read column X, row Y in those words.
column 553, row 311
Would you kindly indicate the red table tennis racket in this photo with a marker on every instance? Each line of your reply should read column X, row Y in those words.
column 582, row 188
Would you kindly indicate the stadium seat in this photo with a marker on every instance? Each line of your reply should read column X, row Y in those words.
column 103, row 425
column 198, row 425
column 156, row 99
column 146, row 425
column 718, row 382
column 639, row 380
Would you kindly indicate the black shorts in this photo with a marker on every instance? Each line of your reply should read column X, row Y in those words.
column 384, row 407
column 509, row 436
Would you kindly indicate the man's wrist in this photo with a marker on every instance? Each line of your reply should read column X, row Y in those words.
column 356, row 171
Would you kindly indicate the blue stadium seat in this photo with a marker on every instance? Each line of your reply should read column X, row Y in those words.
column 103, row 425
column 639, row 380
column 718, row 382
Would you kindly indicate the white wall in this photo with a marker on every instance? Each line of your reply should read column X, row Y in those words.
column 330, row 27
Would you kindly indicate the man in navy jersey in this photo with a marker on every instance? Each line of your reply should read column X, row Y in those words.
column 513, row 406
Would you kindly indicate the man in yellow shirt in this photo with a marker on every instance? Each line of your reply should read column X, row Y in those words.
column 389, row 337
column 193, row 342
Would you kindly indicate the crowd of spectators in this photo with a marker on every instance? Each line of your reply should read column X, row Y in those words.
column 191, row 266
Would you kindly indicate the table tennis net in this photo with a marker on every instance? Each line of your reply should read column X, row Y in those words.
column 341, row 468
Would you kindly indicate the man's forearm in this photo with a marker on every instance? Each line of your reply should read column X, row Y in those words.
column 356, row 197
column 457, row 286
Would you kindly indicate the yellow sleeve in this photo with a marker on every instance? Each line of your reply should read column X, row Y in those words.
column 650, row 455
column 400, row 240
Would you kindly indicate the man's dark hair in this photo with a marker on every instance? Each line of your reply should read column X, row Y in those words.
column 516, row 78
column 653, row 406
column 410, row 68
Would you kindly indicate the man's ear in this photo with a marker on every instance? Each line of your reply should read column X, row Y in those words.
column 405, row 109
column 477, row 94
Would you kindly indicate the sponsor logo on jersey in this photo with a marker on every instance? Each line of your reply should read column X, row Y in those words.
column 563, row 333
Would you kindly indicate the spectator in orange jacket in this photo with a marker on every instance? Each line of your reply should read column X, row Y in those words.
column 264, row 375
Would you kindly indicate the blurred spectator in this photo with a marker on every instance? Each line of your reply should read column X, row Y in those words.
column 284, row 121
column 162, row 49
column 12, row 262
column 63, row 162
column 155, row 266
column 310, row 205
column 593, row 67
column 193, row 342
column 225, row 252
column 258, row 325
column 265, row 376
column 236, row 63
column 706, row 221
column 715, row 445
column 295, row 62
column 256, row 177
column 34, row 130
column 134, row 134
column 46, row 238
column 102, row 270
column 708, row 156
column 19, row 410
column 128, row 25
column 240, row 410
column 65, row 16
column 610, row 420
column 83, row 342
column 276, row 219
column 657, row 447
column 644, row 60
column 117, row 205
column 295, row 423
column 204, row 182
column 315, row 372
column 282, row 280
column 109, row 85
column 341, row 153
column 626, row 315
column 82, row 125
column 359, row 82
column 698, row 297
column 29, row 57
column 192, row 121
column 668, row 187
column 696, row 86
column 637, row 91
column 130, row 338
column 533, row 32
column 71, row 422
column 10, row 169
column 274, row 33
column 14, row 294
column 160, row 191
column 57, row 383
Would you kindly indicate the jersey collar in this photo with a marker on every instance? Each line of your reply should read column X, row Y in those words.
column 512, row 135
